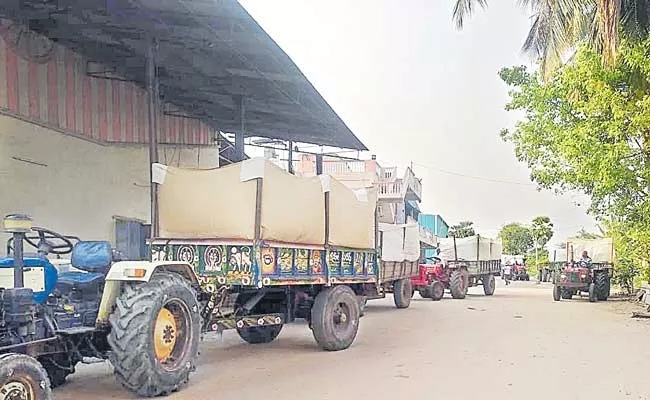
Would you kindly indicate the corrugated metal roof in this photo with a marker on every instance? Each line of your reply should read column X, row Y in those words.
column 210, row 53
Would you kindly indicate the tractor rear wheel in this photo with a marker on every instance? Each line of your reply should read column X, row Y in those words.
column 602, row 285
column 23, row 377
column 557, row 293
column 335, row 318
column 489, row 285
column 458, row 284
column 437, row 290
column 592, row 292
column 155, row 335
column 402, row 290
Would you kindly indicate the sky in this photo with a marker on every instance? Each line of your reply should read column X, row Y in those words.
column 416, row 90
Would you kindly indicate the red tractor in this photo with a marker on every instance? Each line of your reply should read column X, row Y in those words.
column 576, row 277
column 431, row 281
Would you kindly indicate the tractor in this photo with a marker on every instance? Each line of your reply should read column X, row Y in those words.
column 581, row 276
column 51, row 320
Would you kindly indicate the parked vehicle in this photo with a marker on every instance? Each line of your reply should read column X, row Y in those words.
column 249, row 258
column 464, row 263
column 429, row 281
column 400, row 253
column 518, row 267
column 590, row 274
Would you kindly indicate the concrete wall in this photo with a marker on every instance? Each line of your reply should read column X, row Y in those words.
column 75, row 186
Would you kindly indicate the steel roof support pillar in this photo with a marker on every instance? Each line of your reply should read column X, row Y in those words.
column 152, row 115
column 239, row 136
column 290, row 157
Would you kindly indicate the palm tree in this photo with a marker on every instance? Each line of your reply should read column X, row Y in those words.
column 558, row 25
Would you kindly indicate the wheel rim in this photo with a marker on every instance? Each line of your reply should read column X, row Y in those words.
column 341, row 318
column 17, row 389
column 171, row 334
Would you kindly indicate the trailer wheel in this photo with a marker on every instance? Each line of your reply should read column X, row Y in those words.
column 557, row 293
column 592, row 292
column 489, row 285
column 261, row 334
column 335, row 318
column 602, row 285
column 437, row 290
column 402, row 290
column 155, row 335
column 23, row 377
column 458, row 284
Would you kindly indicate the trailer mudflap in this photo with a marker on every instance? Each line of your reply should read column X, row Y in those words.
column 248, row 321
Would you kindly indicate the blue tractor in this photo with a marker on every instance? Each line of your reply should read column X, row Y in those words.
column 51, row 320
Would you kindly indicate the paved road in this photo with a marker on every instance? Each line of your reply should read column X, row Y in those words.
column 518, row 344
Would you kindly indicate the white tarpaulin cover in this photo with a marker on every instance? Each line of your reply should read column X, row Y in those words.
column 221, row 202
column 473, row 248
column 400, row 242
column 600, row 250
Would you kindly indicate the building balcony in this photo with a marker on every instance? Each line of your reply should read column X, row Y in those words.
column 408, row 188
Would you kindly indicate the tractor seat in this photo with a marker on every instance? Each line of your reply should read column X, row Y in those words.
column 93, row 259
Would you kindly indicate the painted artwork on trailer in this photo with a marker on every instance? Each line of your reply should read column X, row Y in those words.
column 334, row 261
column 346, row 262
column 358, row 263
column 302, row 261
column 268, row 261
column 316, row 261
column 286, row 261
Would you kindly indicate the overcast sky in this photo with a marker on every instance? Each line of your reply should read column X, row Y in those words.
column 414, row 89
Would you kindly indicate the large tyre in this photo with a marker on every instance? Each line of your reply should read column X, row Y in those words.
column 602, row 285
column 557, row 293
column 402, row 291
column 22, row 377
column 58, row 367
column 335, row 318
column 437, row 290
column 155, row 335
column 592, row 292
column 458, row 284
column 489, row 285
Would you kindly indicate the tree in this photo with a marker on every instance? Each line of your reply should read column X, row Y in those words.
column 462, row 229
column 587, row 128
column 583, row 234
column 559, row 25
column 517, row 239
column 542, row 231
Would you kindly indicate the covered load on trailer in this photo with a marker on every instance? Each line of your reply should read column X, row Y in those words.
column 400, row 255
column 600, row 250
column 470, row 261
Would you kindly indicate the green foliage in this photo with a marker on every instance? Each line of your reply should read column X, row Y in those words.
column 587, row 128
column 462, row 229
column 542, row 230
column 583, row 234
column 517, row 239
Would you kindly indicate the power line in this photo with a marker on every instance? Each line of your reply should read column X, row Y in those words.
column 479, row 178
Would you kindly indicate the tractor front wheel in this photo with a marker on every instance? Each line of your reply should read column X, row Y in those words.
column 58, row 367
column 489, row 285
column 23, row 377
column 155, row 335
column 335, row 318
column 602, row 285
column 557, row 293
column 592, row 292
column 402, row 293
column 437, row 290
column 458, row 284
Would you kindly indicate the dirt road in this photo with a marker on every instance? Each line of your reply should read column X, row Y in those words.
column 518, row 344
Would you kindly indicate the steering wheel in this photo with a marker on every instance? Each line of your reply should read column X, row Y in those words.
column 49, row 242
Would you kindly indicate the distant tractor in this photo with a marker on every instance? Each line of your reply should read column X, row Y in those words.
column 462, row 263
column 518, row 268
column 592, row 276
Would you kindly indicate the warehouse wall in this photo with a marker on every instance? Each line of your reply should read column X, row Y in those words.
column 75, row 186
